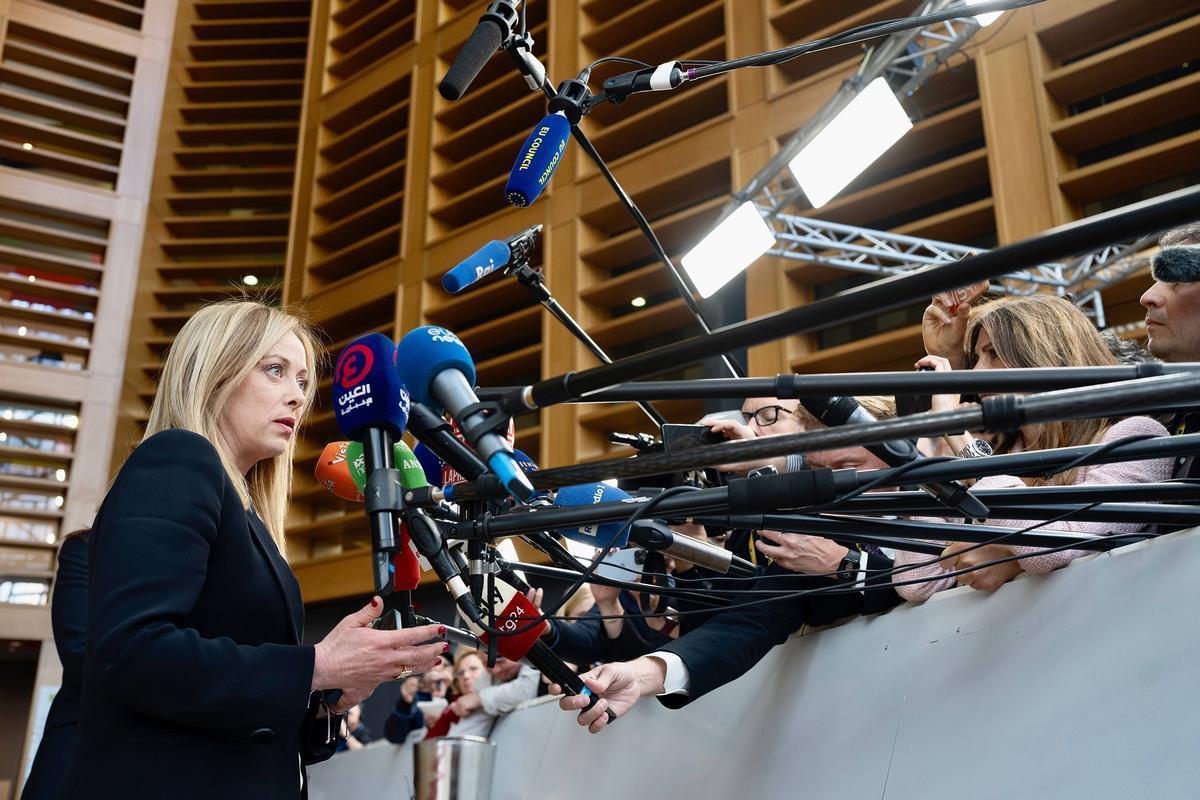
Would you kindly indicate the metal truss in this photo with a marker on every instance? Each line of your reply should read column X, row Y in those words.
column 906, row 59
column 881, row 253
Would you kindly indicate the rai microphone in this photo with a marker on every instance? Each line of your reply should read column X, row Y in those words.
column 439, row 372
column 490, row 32
column 513, row 611
column 371, row 406
column 496, row 254
column 537, row 159
column 341, row 470
column 837, row 411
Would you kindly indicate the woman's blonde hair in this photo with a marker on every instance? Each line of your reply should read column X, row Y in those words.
column 1043, row 330
column 213, row 352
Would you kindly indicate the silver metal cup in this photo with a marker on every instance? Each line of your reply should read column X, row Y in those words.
column 453, row 768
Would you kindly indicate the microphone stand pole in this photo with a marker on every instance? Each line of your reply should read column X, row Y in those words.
column 520, row 49
column 787, row 385
column 535, row 282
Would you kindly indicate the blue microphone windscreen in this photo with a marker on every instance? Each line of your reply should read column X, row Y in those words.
column 537, row 160
column 367, row 391
column 424, row 353
column 492, row 256
column 590, row 494
column 430, row 464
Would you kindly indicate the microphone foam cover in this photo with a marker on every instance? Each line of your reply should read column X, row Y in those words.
column 515, row 647
column 336, row 473
column 590, row 494
column 367, row 390
column 412, row 471
column 431, row 465
column 484, row 261
column 406, row 568
column 483, row 43
column 423, row 354
column 537, row 160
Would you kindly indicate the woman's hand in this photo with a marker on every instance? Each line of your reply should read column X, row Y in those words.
column 987, row 579
column 618, row 686
column 355, row 654
column 955, row 443
column 944, row 324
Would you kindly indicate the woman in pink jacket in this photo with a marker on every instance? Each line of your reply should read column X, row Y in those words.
column 1037, row 331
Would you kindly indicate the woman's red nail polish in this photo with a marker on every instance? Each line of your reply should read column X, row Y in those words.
column 437, row 661
column 374, row 602
column 446, row 647
column 441, row 630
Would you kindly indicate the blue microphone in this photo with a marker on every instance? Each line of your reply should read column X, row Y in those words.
column 439, row 373
column 537, row 160
column 496, row 254
column 590, row 494
column 371, row 406
column 431, row 465
column 367, row 391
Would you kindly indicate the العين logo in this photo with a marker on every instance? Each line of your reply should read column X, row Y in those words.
column 353, row 365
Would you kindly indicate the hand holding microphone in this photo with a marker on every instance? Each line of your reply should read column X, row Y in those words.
column 618, row 686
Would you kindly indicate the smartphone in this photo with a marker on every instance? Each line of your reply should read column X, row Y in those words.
column 631, row 559
column 683, row 437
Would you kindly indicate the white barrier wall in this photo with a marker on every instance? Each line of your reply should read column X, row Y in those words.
column 1076, row 684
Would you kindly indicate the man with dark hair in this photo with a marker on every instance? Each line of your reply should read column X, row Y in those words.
column 1173, row 317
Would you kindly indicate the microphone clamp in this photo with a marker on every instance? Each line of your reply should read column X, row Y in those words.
column 572, row 100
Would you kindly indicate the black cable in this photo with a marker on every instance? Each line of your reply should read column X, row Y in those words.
column 637, row 514
column 617, row 60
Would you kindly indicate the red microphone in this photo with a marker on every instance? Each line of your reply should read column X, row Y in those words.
column 518, row 612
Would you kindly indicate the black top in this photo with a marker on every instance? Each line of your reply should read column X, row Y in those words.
column 729, row 644
column 68, row 614
column 194, row 679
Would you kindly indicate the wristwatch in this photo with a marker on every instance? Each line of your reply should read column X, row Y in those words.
column 850, row 565
column 978, row 448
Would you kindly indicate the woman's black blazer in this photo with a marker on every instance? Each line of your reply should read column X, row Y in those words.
column 68, row 614
column 194, row 679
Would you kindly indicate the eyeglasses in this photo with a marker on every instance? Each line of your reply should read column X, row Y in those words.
column 766, row 416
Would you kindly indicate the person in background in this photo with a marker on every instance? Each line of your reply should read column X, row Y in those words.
column 68, row 616
column 486, row 694
column 354, row 734
column 406, row 715
column 1173, row 319
column 1036, row 331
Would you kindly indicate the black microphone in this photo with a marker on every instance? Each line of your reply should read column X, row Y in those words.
column 834, row 412
column 493, row 28
column 427, row 536
column 655, row 79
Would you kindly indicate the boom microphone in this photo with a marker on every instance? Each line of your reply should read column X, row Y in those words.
column 490, row 32
column 496, row 254
column 437, row 369
column 537, row 159
column 834, row 412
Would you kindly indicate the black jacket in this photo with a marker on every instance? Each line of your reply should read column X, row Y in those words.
column 194, row 680
column 730, row 643
column 68, row 614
